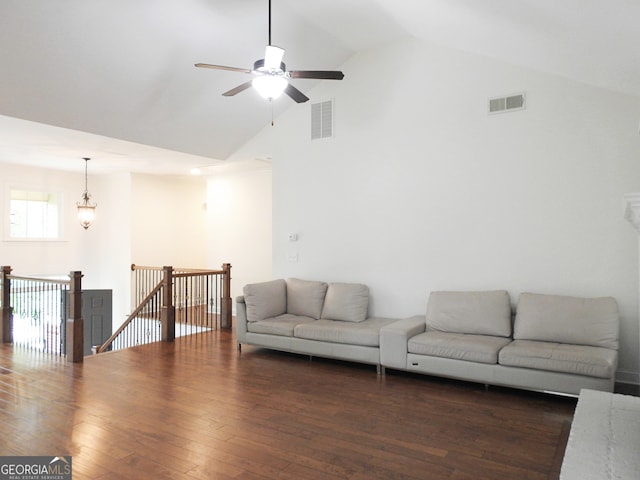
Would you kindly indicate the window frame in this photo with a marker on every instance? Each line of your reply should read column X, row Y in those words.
column 58, row 192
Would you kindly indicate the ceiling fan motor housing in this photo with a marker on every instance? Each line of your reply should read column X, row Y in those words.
column 258, row 66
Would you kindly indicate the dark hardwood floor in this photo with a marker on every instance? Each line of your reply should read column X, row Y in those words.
column 198, row 409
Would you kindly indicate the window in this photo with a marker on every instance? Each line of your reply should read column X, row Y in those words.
column 34, row 215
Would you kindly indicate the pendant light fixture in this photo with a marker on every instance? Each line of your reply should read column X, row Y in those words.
column 86, row 210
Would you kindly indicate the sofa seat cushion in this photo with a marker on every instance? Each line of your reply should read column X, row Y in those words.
column 366, row 333
column 557, row 318
column 265, row 299
column 559, row 357
column 477, row 313
column 305, row 297
column 347, row 302
column 281, row 325
column 459, row 346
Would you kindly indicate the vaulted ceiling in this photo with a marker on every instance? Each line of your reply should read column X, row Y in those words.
column 114, row 79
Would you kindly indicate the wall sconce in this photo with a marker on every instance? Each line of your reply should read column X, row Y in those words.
column 86, row 210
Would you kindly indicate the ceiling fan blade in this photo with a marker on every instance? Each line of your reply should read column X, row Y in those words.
column 295, row 94
column 222, row 67
column 238, row 89
column 320, row 74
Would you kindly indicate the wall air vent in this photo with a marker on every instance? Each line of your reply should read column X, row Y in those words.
column 507, row 104
column 322, row 120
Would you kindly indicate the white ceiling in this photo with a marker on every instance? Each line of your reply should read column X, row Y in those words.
column 114, row 79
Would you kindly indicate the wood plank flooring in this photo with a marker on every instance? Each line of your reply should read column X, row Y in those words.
column 199, row 409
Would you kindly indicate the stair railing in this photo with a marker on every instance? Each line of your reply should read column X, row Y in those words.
column 170, row 299
column 43, row 313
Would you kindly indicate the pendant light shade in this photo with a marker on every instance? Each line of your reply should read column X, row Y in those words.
column 86, row 210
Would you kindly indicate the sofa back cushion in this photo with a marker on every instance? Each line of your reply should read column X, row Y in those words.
column 476, row 313
column 305, row 297
column 562, row 319
column 265, row 299
column 347, row 302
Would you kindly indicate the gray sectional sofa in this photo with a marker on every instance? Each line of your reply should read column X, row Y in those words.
column 555, row 344
column 314, row 318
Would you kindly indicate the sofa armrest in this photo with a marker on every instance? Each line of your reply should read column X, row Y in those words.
column 241, row 319
column 394, row 339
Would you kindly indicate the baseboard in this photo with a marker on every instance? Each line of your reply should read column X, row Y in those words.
column 632, row 378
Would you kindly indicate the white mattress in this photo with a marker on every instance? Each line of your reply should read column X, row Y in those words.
column 604, row 442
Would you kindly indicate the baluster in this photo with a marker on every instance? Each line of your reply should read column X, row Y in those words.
column 30, row 319
column 218, row 306
column 39, row 300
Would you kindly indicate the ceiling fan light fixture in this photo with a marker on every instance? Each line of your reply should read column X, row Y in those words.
column 270, row 86
column 271, row 74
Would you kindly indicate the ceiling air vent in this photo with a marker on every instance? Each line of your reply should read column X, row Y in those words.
column 322, row 120
column 507, row 104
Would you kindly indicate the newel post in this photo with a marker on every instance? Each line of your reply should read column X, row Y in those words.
column 225, row 301
column 75, row 322
column 6, row 330
column 168, row 312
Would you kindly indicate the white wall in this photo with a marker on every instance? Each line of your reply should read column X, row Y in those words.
column 422, row 190
column 108, row 257
column 169, row 221
column 239, row 225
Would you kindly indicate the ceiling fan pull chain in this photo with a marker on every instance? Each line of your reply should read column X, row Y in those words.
column 272, row 121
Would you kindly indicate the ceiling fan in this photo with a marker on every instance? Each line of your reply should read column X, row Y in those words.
column 271, row 77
